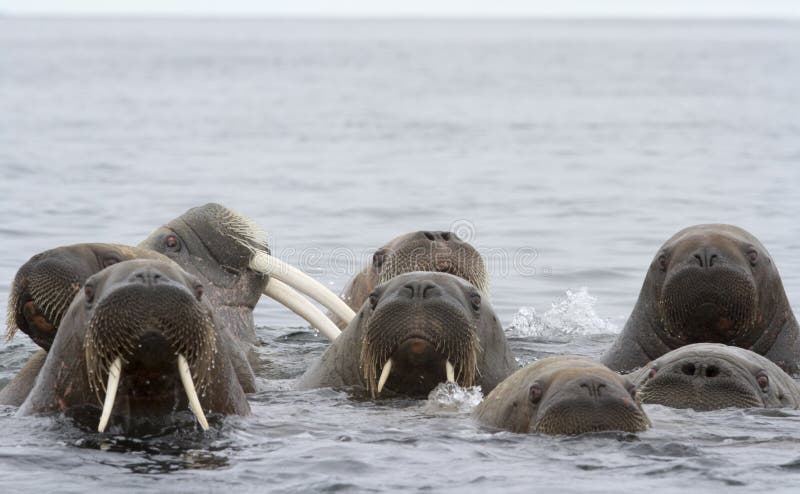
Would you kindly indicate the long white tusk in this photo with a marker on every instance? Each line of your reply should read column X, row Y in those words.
column 387, row 368
column 191, row 393
column 284, row 294
column 451, row 372
column 277, row 269
column 114, row 373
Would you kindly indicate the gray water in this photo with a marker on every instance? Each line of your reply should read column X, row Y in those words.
column 565, row 151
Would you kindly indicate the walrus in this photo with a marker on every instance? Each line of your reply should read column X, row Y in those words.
column 41, row 292
column 229, row 251
column 44, row 286
column 710, row 376
column 139, row 342
column 714, row 284
column 563, row 395
column 225, row 249
column 436, row 251
column 415, row 331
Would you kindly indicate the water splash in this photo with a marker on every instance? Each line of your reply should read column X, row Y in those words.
column 573, row 315
column 450, row 397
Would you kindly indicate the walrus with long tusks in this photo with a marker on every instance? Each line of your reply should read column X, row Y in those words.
column 436, row 251
column 41, row 292
column 563, row 395
column 713, row 284
column 138, row 344
column 225, row 249
column 415, row 331
column 709, row 376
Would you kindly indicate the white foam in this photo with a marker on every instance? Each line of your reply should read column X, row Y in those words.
column 573, row 315
column 450, row 397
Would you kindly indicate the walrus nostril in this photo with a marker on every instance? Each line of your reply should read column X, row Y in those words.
column 148, row 278
column 421, row 289
column 429, row 235
column 688, row 368
column 699, row 259
column 712, row 371
column 445, row 236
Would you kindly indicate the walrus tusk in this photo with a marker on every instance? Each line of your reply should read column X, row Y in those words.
column 277, row 269
column 451, row 372
column 114, row 373
column 284, row 294
column 191, row 393
column 387, row 368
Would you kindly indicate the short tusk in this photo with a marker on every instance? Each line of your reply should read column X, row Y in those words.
column 191, row 392
column 114, row 373
column 451, row 372
column 387, row 368
column 284, row 294
column 277, row 269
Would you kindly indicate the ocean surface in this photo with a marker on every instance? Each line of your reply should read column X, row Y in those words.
column 565, row 151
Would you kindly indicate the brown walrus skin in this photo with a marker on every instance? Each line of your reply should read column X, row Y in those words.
column 146, row 313
column 421, row 321
column 563, row 395
column 713, row 284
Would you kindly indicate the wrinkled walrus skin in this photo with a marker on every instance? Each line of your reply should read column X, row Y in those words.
column 421, row 321
column 145, row 313
column 563, row 395
column 710, row 376
column 709, row 284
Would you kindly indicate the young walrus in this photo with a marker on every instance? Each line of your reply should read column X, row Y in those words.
column 563, row 395
column 709, row 376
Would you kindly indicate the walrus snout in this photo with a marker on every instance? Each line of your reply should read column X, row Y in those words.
column 590, row 403
column 420, row 333
column 701, row 382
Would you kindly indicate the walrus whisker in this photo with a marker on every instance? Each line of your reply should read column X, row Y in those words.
column 191, row 392
column 285, row 295
column 277, row 269
column 114, row 374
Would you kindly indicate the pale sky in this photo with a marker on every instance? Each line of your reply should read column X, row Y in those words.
column 406, row 8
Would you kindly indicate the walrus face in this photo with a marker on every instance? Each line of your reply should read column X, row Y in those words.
column 709, row 285
column 421, row 330
column 44, row 286
column 150, row 342
column 579, row 400
column 442, row 252
column 216, row 245
column 564, row 395
column 710, row 377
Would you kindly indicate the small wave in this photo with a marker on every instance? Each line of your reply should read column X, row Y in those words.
column 573, row 315
column 450, row 397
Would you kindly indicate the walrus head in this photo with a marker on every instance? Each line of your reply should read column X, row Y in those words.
column 710, row 376
column 421, row 329
column 714, row 283
column 215, row 244
column 442, row 252
column 140, row 340
column 44, row 286
column 564, row 395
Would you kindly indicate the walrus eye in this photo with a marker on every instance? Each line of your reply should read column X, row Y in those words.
column 763, row 381
column 752, row 256
column 475, row 299
column 378, row 259
column 88, row 291
column 110, row 261
column 535, row 393
column 373, row 300
column 171, row 242
column 198, row 292
column 632, row 392
column 662, row 262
